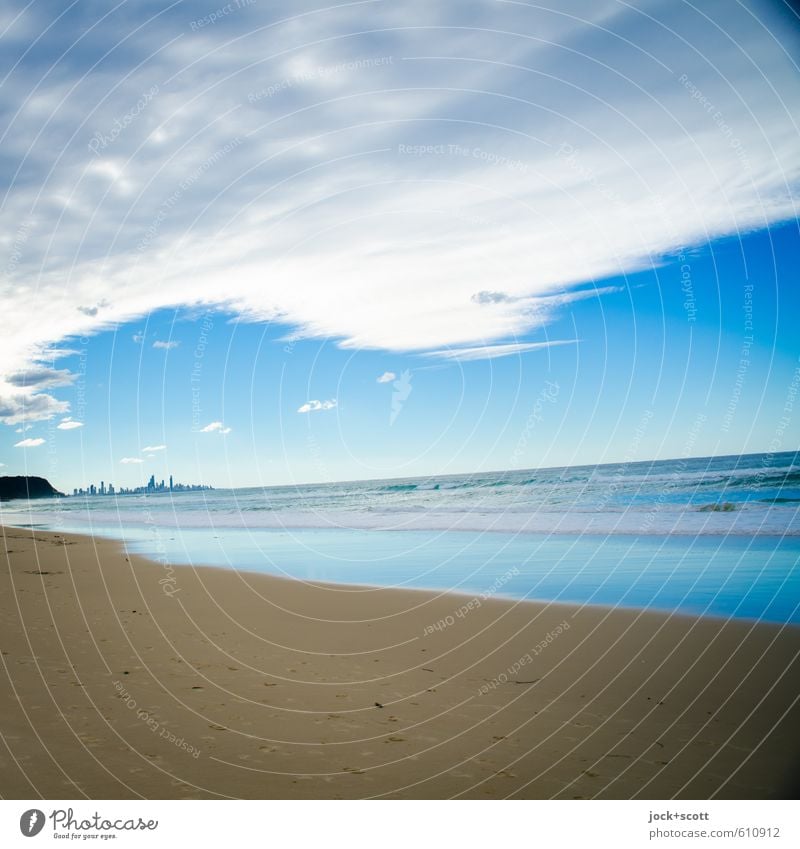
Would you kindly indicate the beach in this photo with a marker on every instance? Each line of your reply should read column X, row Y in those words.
column 126, row 678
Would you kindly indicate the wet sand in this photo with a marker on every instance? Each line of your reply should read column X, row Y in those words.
column 125, row 679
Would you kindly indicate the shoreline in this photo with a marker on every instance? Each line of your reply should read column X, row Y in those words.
column 511, row 601
column 558, row 573
column 704, row 533
column 250, row 685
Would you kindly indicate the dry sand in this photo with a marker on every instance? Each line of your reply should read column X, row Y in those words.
column 124, row 679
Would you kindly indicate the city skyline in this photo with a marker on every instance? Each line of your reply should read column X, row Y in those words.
column 150, row 488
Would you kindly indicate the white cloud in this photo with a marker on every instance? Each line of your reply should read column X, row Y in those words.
column 387, row 377
column 316, row 406
column 486, row 297
column 92, row 311
column 490, row 352
column 57, row 353
column 29, row 443
column 607, row 157
column 2, row 465
column 129, row 460
column 165, row 346
column 138, row 337
column 23, row 428
column 215, row 427
column 68, row 424
column 41, row 377
column 22, row 399
column 20, row 408
column 149, row 448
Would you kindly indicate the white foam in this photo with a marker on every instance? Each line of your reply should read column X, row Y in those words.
column 767, row 520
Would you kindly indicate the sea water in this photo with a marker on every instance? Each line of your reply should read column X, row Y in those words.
column 714, row 536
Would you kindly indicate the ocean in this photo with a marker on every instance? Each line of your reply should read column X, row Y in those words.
column 715, row 536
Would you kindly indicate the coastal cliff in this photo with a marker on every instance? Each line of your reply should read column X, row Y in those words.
column 20, row 486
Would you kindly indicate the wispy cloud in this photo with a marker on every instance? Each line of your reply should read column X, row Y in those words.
column 68, row 424
column 16, row 409
column 215, row 427
column 490, row 352
column 29, row 443
column 131, row 460
column 387, row 377
column 165, row 346
column 22, row 399
column 92, row 311
column 57, row 353
column 401, row 390
column 150, row 448
column 487, row 297
column 41, row 377
column 316, row 406
column 651, row 132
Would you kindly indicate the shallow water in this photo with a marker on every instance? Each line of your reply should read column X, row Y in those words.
column 750, row 578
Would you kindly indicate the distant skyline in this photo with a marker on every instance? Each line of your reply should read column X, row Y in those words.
column 367, row 242
column 151, row 487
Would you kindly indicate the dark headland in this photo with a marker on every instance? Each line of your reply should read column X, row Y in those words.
column 19, row 486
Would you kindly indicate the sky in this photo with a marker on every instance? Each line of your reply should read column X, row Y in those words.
column 263, row 243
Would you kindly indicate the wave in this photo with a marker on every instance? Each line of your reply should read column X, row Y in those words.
column 753, row 495
column 768, row 520
column 752, row 476
column 778, row 500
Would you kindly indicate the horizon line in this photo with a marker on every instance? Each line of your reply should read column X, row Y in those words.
column 500, row 471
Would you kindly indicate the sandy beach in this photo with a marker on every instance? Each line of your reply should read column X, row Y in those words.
column 125, row 679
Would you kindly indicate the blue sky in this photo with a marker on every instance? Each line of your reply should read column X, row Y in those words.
column 249, row 247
